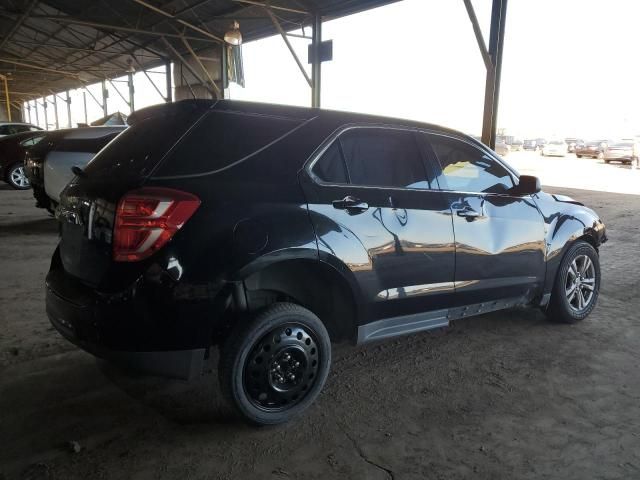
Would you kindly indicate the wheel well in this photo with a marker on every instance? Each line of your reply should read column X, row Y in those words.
column 311, row 284
column 589, row 239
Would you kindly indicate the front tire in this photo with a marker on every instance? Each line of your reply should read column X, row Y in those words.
column 273, row 367
column 577, row 285
column 17, row 178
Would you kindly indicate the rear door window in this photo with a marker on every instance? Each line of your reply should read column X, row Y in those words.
column 374, row 156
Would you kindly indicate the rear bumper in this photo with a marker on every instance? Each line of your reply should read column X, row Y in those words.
column 74, row 322
column 129, row 331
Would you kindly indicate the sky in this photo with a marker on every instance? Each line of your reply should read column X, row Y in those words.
column 570, row 68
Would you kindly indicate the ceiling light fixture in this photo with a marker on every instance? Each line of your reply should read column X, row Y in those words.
column 233, row 36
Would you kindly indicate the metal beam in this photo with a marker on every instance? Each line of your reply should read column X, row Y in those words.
column 55, row 110
column 204, row 69
column 189, row 67
column 115, row 87
column 84, row 101
column 169, row 97
column 274, row 7
column 45, row 106
column 104, row 26
column 492, row 88
column 37, row 67
column 18, row 23
column 179, row 20
column 104, row 98
column 283, row 34
column 132, row 106
column 68, row 100
column 6, row 93
column 478, row 32
column 316, row 65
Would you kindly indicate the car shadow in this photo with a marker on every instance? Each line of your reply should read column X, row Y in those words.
column 194, row 402
column 38, row 226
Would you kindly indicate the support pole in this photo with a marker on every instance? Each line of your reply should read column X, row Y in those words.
column 6, row 93
column 68, row 100
column 35, row 107
column 46, row 117
column 55, row 111
column 104, row 98
column 316, row 65
column 84, row 101
column 167, row 66
column 27, row 108
column 492, row 89
column 131, row 92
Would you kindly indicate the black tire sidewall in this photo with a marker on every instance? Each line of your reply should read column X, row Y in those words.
column 560, row 309
column 242, row 340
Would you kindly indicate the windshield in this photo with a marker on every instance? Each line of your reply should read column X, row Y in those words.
column 30, row 142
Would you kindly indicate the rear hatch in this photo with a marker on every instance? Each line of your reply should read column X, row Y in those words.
column 88, row 204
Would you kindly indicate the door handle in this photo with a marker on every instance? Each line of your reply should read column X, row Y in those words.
column 351, row 204
column 469, row 213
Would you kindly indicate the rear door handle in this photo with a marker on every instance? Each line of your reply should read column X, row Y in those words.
column 351, row 204
column 468, row 213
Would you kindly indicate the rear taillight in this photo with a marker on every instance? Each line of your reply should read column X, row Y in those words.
column 147, row 218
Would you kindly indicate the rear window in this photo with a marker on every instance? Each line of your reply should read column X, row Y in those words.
column 223, row 138
column 138, row 149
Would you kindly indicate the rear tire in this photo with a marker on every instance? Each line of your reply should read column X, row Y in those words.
column 273, row 367
column 17, row 178
column 577, row 284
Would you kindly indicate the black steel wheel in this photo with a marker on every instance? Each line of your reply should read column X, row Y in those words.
column 577, row 284
column 274, row 366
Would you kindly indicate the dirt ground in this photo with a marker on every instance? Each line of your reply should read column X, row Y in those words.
column 502, row 396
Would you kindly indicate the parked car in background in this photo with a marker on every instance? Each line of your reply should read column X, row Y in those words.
column 529, row 144
column 591, row 149
column 272, row 231
column 49, row 164
column 540, row 143
column 502, row 149
column 11, row 128
column 571, row 144
column 623, row 151
column 554, row 148
column 12, row 153
column 516, row 145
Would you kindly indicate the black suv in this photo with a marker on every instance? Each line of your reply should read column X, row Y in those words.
column 272, row 231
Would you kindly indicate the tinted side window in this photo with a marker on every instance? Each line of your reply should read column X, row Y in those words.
column 466, row 168
column 4, row 130
column 222, row 138
column 331, row 167
column 383, row 157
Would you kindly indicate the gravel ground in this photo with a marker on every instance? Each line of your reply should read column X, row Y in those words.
column 501, row 396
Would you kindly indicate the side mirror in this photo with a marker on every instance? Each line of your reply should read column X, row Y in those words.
column 527, row 185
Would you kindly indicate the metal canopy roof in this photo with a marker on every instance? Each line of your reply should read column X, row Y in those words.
column 53, row 45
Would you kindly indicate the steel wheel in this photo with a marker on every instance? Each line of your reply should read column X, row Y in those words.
column 18, row 178
column 580, row 283
column 282, row 367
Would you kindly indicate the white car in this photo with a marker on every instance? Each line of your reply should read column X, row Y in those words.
column 11, row 128
column 49, row 164
column 555, row 148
